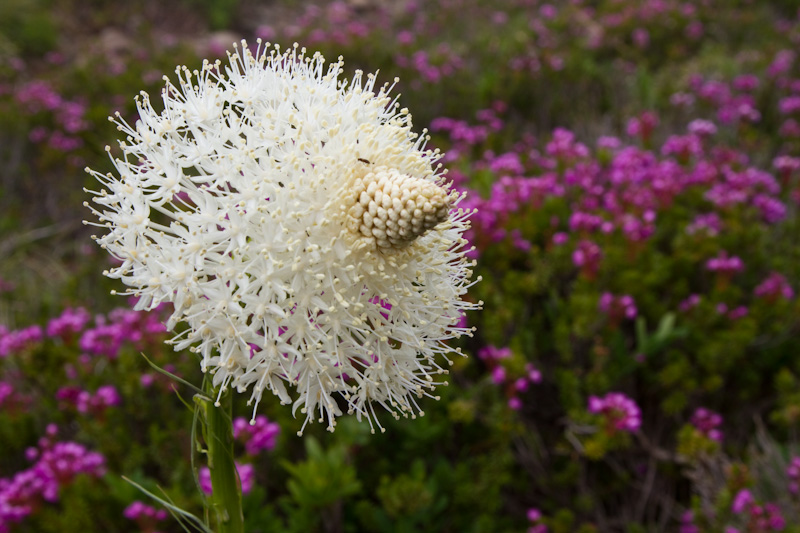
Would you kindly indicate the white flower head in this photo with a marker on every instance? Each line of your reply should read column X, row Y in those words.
column 300, row 229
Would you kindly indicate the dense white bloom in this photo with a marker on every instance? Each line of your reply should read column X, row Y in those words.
column 299, row 228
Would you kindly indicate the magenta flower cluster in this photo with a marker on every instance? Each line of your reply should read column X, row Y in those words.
column 617, row 307
column 6, row 394
column 707, row 422
column 735, row 101
column 165, row 383
column 725, row 264
column 692, row 301
column 17, row 340
column 548, row 34
column 70, row 322
column 335, row 22
column 88, row 403
column 260, row 435
column 120, row 327
column 68, row 117
column 105, row 337
column 535, row 519
column 793, row 473
column 13, row 402
column 687, row 524
column 145, row 516
column 736, row 313
column 431, row 67
column 773, row 287
column 512, row 383
column 560, row 29
column 762, row 518
column 708, row 223
column 587, row 256
column 618, row 190
column 56, row 465
column 619, row 411
column 757, row 517
column 247, row 476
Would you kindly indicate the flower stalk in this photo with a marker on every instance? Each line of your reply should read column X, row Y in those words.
column 225, row 502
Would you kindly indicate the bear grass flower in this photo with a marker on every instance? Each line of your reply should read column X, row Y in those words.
column 303, row 233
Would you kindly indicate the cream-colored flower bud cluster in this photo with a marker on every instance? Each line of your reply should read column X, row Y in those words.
column 394, row 209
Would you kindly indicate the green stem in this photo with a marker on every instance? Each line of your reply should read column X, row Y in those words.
column 225, row 501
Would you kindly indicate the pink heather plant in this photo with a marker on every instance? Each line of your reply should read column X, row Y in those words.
column 643, row 126
column 13, row 403
column 498, row 375
column 515, row 387
column 689, row 303
column 687, row 524
column 760, row 518
column 38, row 96
column 85, row 402
column 683, row 147
column 724, row 264
column 620, row 412
column 707, row 423
column 773, row 287
column 617, row 307
column 793, row 474
column 492, row 353
column 6, row 392
column 257, row 435
column 709, row 223
column 535, row 518
column 746, row 82
column 502, row 373
column 14, row 341
column 105, row 397
column 786, row 165
column 625, row 195
column 56, row 465
column 563, row 145
column 741, row 501
column 67, row 118
column 246, row 478
column 146, row 517
column 532, row 373
column 519, row 242
column 738, row 312
column 586, row 222
column 70, row 322
column 587, row 257
column 119, row 327
column 702, row 128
